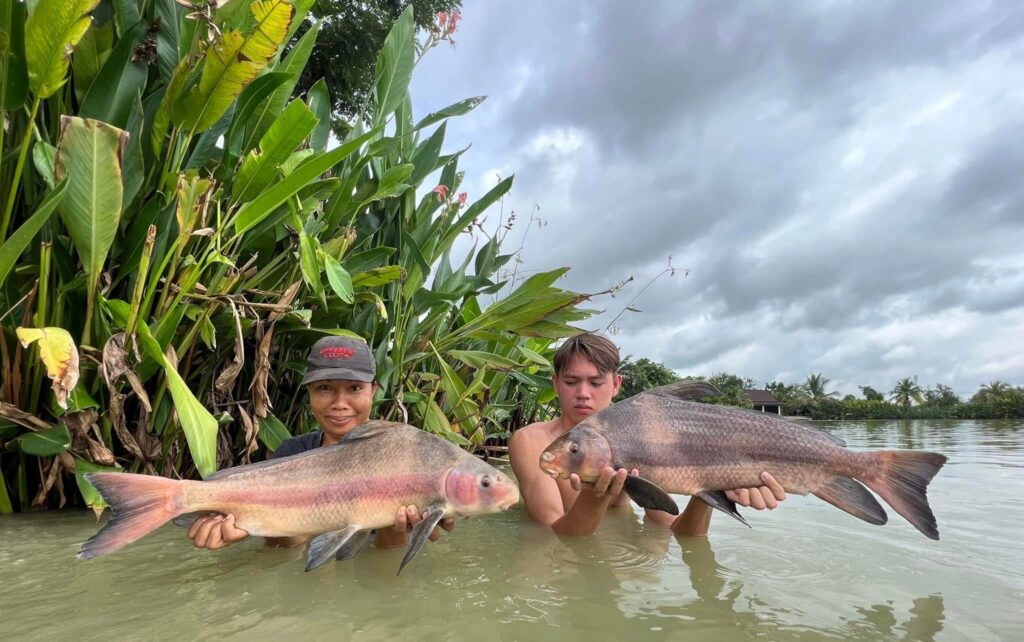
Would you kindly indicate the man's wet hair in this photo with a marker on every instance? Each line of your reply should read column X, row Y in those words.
column 595, row 348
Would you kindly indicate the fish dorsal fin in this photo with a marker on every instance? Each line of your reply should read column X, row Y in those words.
column 688, row 390
column 369, row 430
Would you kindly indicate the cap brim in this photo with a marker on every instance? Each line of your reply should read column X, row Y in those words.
column 326, row 374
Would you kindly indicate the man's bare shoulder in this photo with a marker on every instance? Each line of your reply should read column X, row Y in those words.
column 536, row 435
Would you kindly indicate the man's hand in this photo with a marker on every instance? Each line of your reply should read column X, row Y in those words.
column 408, row 517
column 215, row 531
column 759, row 497
column 608, row 484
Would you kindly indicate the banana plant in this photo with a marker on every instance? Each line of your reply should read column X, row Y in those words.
column 188, row 222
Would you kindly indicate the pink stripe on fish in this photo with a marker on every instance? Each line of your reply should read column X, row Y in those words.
column 399, row 487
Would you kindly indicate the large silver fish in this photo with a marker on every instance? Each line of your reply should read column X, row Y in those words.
column 681, row 446
column 334, row 494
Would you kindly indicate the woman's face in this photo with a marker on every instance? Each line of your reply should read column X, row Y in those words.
column 339, row 405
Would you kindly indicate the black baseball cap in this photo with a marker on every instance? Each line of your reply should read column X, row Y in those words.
column 339, row 358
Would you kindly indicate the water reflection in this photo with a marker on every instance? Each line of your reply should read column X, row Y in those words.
column 806, row 571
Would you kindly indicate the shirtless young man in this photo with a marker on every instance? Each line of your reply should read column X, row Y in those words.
column 586, row 380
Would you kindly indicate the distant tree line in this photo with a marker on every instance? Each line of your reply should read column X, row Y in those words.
column 812, row 398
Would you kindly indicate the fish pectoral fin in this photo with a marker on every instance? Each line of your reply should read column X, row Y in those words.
column 850, row 495
column 323, row 547
column 649, row 495
column 717, row 499
column 421, row 532
column 354, row 545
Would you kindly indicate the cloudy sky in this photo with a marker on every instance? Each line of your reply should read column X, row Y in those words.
column 844, row 180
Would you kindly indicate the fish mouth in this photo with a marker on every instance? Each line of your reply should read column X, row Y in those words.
column 550, row 471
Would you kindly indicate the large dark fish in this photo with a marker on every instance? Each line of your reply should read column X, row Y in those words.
column 681, row 446
column 334, row 494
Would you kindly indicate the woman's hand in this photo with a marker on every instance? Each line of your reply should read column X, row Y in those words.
column 215, row 531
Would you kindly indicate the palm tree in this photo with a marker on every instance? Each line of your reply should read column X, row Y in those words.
column 991, row 392
column 814, row 387
column 906, row 392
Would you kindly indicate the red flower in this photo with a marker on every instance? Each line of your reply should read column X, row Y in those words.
column 453, row 22
column 462, row 198
column 442, row 21
column 441, row 191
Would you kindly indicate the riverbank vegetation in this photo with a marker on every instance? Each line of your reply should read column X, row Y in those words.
column 176, row 210
column 813, row 397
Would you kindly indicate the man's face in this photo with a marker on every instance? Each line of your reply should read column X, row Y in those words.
column 339, row 405
column 583, row 390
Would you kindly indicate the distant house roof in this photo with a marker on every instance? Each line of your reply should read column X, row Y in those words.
column 760, row 396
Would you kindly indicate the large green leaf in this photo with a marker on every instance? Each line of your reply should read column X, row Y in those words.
column 461, row 408
column 247, row 105
column 272, row 432
column 339, row 278
column 134, row 168
column 199, row 426
column 258, row 209
column 309, row 249
column 259, row 167
column 51, row 33
column 231, row 64
column 425, row 155
column 44, row 157
column 320, row 105
column 167, row 38
column 456, row 109
column 392, row 183
column 13, row 72
column 126, row 15
column 92, row 497
column 89, row 156
column 394, row 67
column 271, row 107
column 119, row 83
column 92, row 51
column 377, row 277
column 482, row 359
column 20, row 239
column 45, row 443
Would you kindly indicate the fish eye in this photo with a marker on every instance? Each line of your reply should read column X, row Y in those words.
column 574, row 448
column 485, row 482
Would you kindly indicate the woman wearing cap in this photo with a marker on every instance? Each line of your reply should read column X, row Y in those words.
column 341, row 382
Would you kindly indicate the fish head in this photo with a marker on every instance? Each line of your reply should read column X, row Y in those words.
column 583, row 451
column 477, row 488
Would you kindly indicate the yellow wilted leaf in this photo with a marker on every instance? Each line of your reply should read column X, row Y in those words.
column 60, row 356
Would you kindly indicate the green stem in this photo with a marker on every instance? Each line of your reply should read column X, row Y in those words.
column 90, row 302
column 140, row 281
column 12, row 196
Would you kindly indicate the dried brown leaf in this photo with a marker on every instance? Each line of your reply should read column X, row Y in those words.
column 49, row 476
column 260, row 395
column 226, row 379
column 252, row 429
column 116, row 414
column 115, row 365
column 22, row 418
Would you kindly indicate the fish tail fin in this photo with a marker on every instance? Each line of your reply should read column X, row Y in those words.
column 902, row 479
column 139, row 504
